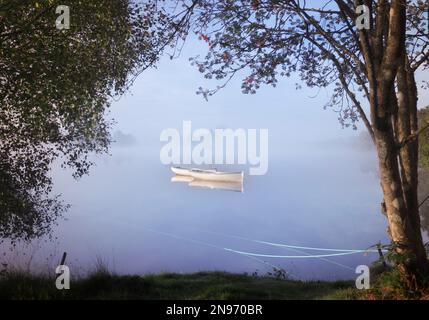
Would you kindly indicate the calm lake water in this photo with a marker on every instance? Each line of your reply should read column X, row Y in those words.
column 129, row 213
column 321, row 190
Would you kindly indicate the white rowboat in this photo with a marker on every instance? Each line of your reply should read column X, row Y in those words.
column 211, row 175
column 222, row 185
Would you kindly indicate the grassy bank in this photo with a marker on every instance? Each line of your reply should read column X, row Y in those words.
column 201, row 285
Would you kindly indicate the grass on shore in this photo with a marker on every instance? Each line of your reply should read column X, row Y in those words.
column 200, row 285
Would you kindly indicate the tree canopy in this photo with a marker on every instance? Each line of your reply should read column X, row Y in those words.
column 55, row 90
column 318, row 40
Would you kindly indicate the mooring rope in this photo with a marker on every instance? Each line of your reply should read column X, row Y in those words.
column 255, row 256
column 203, row 243
column 293, row 246
column 292, row 257
column 290, row 248
column 250, row 253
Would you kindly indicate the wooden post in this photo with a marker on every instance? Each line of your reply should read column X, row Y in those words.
column 63, row 259
column 380, row 252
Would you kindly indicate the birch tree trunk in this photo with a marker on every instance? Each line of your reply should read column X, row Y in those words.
column 394, row 122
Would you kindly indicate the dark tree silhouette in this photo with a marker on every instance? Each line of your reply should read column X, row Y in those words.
column 55, row 89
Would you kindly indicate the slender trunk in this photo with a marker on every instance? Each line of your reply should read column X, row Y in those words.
column 399, row 185
column 394, row 118
column 407, row 240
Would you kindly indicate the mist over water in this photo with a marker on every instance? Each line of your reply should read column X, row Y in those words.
column 130, row 214
column 321, row 188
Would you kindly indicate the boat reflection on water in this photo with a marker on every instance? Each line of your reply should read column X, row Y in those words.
column 236, row 186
